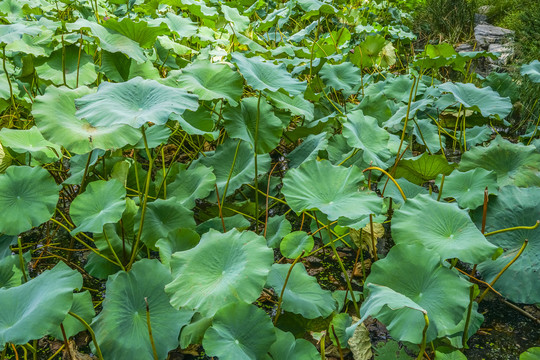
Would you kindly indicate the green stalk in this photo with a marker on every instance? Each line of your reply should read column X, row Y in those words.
column 154, row 351
column 92, row 334
column 145, row 200
column 230, row 174
column 514, row 228
column 21, row 260
column 85, row 174
column 256, row 168
column 112, row 249
column 337, row 342
column 468, row 318
column 424, row 335
column 323, row 352
column 7, row 77
column 278, row 311
column 334, row 250
column 64, row 61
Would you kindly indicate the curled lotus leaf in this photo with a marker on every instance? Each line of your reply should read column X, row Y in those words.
column 30, row 141
column 468, row 187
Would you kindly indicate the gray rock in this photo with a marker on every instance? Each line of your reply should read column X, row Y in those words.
column 506, row 52
column 486, row 34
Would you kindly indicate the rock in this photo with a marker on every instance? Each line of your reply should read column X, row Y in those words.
column 506, row 52
column 486, row 34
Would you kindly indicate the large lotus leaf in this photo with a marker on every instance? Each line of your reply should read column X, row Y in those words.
column 319, row 185
column 409, row 189
column 287, row 347
column 54, row 114
column 442, row 228
column 192, row 184
column 302, row 295
column 30, row 141
column 514, row 207
column 423, row 168
column 28, row 198
column 38, row 45
column 110, row 40
column 119, row 68
column 103, row 202
column 234, row 163
column 532, row 70
column 344, row 76
column 277, row 228
column 468, row 187
column 139, row 31
column 263, row 75
column 67, row 62
column 10, row 272
column 239, row 21
column 254, row 122
column 401, row 287
column 162, row 217
column 294, row 243
column 239, row 331
column 295, row 105
column 308, row 150
column 236, row 221
column 484, row 100
column 12, row 32
column 531, row 354
column 221, row 269
column 514, row 164
column 82, row 305
column 135, row 103
column 212, row 81
column 200, row 122
column 124, row 314
column 30, row 311
column 363, row 132
column 427, row 134
column 177, row 240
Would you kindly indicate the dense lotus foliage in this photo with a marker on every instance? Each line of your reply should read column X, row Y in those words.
column 170, row 169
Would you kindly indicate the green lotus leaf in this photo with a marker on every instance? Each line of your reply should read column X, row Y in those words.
column 455, row 336
column 162, row 217
column 10, row 272
column 110, row 40
column 155, row 136
column 103, row 202
column 82, row 305
column 38, row 45
column 12, row 32
column 425, row 167
column 200, row 122
column 468, row 187
column 119, row 68
column 514, row 207
column 399, row 88
column 232, row 15
column 236, row 221
column 427, row 133
column 531, row 354
column 212, row 81
column 286, row 347
column 344, row 76
column 54, row 114
column 276, row 228
column 401, row 288
column 67, row 62
column 28, row 198
column 192, row 184
column 30, row 311
column 503, row 84
column 409, row 189
column 5, row 242
column 263, row 75
column 532, row 70
column 254, row 122
column 448, row 353
column 440, row 227
column 476, row 135
column 239, row 331
column 338, row 329
column 484, row 100
column 294, row 243
column 308, row 150
column 134, row 103
column 366, row 54
column 233, row 163
column 363, row 132
column 221, row 269
column 140, row 31
column 124, row 314
column 319, row 185
column 295, row 105
column 176, row 240
column 302, row 295
column 514, row 164
column 193, row 332
column 31, row 141
column 182, row 26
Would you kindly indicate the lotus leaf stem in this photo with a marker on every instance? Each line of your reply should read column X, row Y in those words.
column 390, row 177
column 21, row 260
column 92, row 334
column 337, row 342
column 3, row 355
column 66, row 344
column 484, row 209
column 85, row 174
column 267, row 196
column 334, row 250
column 255, row 143
column 8, row 79
column 441, row 188
column 112, row 249
column 406, row 120
column 373, row 238
column 57, row 352
column 79, row 60
column 150, row 336
column 278, row 311
column 230, row 173
column 514, row 228
column 15, row 351
column 220, row 209
column 465, row 335
column 504, row 269
column 323, row 352
column 424, row 335
column 478, row 280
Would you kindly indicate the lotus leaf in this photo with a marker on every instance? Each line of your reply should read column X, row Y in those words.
column 531, row 354
column 294, row 243
column 295, row 105
column 442, row 228
column 389, row 189
column 134, row 103
column 514, row 207
column 102, row 203
column 423, row 168
column 514, row 164
column 411, row 280
column 344, row 76
column 532, row 70
column 468, row 187
column 220, row 270
column 30, row 311
column 263, row 75
column 54, row 114
column 236, row 221
column 276, row 228
column 124, row 313
column 192, row 184
column 119, row 68
column 81, row 71
column 239, row 331
column 140, row 31
column 302, row 295
column 12, row 32
column 286, row 347
column 31, row 141
column 82, row 306
column 319, row 185
column 177, row 240
column 308, row 150
column 28, row 198
column 254, row 122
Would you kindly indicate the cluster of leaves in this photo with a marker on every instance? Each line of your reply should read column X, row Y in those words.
column 175, row 141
